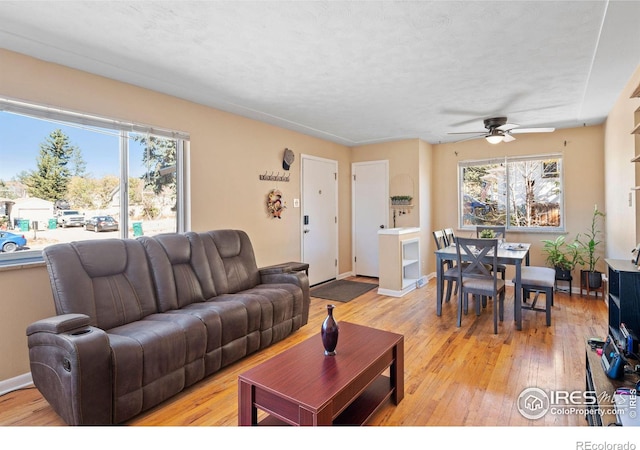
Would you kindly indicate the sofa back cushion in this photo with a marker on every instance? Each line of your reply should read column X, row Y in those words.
column 108, row 280
column 181, row 271
column 231, row 259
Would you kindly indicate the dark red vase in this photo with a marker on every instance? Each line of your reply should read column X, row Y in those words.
column 329, row 332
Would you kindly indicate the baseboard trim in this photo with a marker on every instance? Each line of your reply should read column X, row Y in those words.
column 401, row 293
column 15, row 383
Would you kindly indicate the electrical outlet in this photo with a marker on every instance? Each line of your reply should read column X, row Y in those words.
column 296, row 203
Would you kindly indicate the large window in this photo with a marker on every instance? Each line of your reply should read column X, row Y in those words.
column 68, row 177
column 520, row 193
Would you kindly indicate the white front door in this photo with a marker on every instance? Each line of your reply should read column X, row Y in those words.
column 320, row 217
column 370, row 191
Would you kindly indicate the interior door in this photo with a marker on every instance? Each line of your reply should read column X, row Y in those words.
column 320, row 217
column 370, row 192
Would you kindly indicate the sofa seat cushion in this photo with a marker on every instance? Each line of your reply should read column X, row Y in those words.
column 293, row 290
column 153, row 359
column 277, row 307
column 232, row 330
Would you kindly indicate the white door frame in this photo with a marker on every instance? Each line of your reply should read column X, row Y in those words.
column 385, row 162
column 336, row 243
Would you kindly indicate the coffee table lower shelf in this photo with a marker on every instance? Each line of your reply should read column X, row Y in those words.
column 357, row 413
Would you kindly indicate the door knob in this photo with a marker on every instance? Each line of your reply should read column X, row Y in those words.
column 381, row 226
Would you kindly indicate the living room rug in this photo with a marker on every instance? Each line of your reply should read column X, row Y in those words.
column 341, row 290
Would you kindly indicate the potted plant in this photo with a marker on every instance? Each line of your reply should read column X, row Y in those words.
column 590, row 242
column 401, row 200
column 561, row 256
column 487, row 234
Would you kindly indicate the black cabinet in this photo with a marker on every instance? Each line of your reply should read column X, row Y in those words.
column 624, row 298
column 602, row 412
column 624, row 307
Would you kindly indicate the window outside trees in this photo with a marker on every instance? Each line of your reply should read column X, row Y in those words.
column 59, row 173
column 520, row 193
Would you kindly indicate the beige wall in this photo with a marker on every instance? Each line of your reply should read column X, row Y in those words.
column 582, row 150
column 404, row 176
column 25, row 296
column 620, row 174
column 427, row 244
column 227, row 155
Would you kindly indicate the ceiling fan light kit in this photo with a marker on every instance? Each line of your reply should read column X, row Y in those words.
column 501, row 131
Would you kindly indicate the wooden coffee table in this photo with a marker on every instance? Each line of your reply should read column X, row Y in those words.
column 302, row 386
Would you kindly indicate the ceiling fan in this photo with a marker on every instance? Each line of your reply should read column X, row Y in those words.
column 498, row 130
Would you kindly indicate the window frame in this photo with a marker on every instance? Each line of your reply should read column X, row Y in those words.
column 30, row 257
column 507, row 160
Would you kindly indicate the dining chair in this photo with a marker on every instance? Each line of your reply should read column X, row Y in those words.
column 538, row 280
column 449, row 269
column 449, row 236
column 477, row 278
column 500, row 233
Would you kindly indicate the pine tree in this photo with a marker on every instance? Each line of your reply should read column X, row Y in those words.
column 160, row 154
column 50, row 180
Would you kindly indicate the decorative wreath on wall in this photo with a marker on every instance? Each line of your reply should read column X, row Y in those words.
column 275, row 203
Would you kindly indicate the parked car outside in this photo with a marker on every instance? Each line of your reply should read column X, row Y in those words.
column 10, row 242
column 101, row 223
column 70, row 218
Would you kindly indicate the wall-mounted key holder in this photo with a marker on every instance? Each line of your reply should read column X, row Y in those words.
column 284, row 178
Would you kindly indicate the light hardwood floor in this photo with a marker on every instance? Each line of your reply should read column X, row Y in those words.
column 453, row 376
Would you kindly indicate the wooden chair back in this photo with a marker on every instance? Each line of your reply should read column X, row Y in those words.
column 479, row 255
column 440, row 238
column 449, row 236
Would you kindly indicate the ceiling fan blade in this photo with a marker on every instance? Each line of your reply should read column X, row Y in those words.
column 482, row 136
column 533, row 130
column 507, row 127
column 498, row 126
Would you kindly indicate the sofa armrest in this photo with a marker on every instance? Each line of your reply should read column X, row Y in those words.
column 59, row 324
column 71, row 366
column 273, row 270
column 287, row 267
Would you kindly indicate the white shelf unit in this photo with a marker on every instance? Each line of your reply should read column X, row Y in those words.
column 410, row 262
column 399, row 263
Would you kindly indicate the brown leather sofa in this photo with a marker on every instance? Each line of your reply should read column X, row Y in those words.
column 141, row 319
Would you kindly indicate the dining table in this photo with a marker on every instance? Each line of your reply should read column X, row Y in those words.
column 509, row 253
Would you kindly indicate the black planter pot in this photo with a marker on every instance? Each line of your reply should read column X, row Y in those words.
column 563, row 274
column 591, row 279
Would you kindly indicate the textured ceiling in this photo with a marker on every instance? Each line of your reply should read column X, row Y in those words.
column 352, row 72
